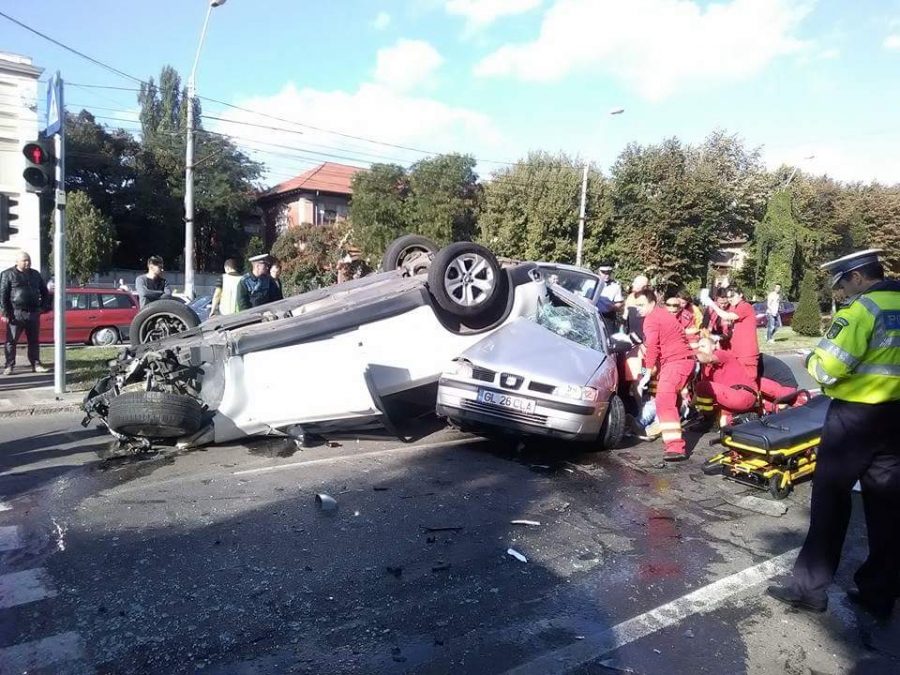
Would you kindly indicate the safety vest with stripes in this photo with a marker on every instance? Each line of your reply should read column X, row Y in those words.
column 858, row 360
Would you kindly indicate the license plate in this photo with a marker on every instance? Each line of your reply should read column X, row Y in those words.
column 517, row 403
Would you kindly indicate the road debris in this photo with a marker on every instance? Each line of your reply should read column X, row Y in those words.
column 326, row 502
column 525, row 522
column 448, row 528
column 515, row 554
column 396, row 572
column 609, row 664
column 441, row 566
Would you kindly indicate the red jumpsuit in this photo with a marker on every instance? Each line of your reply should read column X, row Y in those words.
column 668, row 348
column 744, row 344
column 716, row 387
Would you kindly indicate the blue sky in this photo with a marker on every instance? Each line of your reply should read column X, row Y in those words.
column 498, row 78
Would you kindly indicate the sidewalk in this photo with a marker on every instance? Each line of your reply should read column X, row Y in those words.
column 25, row 393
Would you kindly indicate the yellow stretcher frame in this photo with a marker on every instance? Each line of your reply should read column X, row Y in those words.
column 774, row 470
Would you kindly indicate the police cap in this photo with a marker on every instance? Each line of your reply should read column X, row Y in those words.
column 605, row 268
column 838, row 268
column 262, row 257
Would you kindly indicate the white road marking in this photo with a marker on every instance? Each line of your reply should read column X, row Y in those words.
column 704, row 599
column 9, row 538
column 29, row 656
column 19, row 588
column 5, row 507
column 348, row 458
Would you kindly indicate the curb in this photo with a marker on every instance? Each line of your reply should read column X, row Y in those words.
column 46, row 409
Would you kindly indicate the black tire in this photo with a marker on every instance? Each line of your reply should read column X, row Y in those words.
column 466, row 281
column 711, row 468
column 105, row 336
column 160, row 319
column 775, row 488
column 154, row 414
column 613, row 428
column 411, row 252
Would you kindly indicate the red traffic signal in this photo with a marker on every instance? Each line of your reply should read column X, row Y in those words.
column 40, row 167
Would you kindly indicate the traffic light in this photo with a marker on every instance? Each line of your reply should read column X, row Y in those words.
column 6, row 217
column 40, row 167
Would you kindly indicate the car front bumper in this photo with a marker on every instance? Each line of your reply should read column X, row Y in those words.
column 570, row 420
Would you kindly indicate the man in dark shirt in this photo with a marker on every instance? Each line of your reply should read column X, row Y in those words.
column 152, row 286
column 23, row 297
column 257, row 287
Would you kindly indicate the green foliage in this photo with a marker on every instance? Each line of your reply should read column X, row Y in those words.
column 807, row 320
column 443, row 195
column 139, row 183
column 90, row 238
column 379, row 210
column 437, row 197
column 310, row 256
column 776, row 243
column 530, row 211
column 254, row 247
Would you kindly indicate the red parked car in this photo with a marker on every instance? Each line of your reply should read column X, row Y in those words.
column 98, row 316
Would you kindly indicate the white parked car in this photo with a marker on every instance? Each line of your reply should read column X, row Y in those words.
column 334, row 358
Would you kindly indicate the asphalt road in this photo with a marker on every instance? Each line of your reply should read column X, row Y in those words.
column 220, row 561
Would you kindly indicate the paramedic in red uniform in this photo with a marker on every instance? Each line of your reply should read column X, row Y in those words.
column 724, row 384
column 671, row 359
column 744, row 344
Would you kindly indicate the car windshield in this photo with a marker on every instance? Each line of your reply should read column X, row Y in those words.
column 571, row 323
column 575, row 282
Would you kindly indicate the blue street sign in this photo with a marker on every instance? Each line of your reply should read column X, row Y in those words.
column 54, row 105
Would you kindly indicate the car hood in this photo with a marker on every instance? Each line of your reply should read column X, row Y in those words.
column 525, row 348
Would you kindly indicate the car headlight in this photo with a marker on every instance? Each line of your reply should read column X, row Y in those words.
column 579, row 393
column 460, row 367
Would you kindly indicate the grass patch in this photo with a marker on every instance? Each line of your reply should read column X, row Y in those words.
column 785, row 340
column 84, row 365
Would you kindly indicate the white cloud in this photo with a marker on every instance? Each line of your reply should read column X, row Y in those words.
column 407, row 64
column 373, row 111
column 381, row 21
column 892, row 42
column 866, row 159
column 481, row 13
column 654, row 46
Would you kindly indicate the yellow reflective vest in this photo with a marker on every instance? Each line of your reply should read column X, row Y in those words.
column 858, row 360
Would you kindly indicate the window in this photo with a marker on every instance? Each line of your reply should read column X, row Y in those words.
column 83, row 301
column 116, row 301
column 572, row 323
column 329, row 217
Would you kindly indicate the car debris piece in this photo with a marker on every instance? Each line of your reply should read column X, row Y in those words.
column 525, row 522
column 326, row 502
column 449, row 528
column 396, row 572
column 515, row 554
column 441, row 566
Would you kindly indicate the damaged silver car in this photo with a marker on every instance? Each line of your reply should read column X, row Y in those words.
column 337, row 358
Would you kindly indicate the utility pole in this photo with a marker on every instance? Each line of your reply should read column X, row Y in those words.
column 189, row 164
column 581, row 216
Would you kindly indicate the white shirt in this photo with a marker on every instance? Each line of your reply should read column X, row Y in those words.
column 773, row 302
column 612, row 292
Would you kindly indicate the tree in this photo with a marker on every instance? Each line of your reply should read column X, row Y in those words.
column 776, row 241
column 379, row 212
column 443, row 195
column 807, row 319
column 529, row 211
column 310, row 256
column 90, row 238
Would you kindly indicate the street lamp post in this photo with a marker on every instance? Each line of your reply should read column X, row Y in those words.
column 189, row 166
column 584, row 178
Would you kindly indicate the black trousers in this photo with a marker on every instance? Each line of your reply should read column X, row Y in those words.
column 31, row 326
column 860, row 442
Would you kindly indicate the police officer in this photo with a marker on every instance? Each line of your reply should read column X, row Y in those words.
column 257, row 287
column 858, row 365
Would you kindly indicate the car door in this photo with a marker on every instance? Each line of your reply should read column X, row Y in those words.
column 117, row 310
column 82, row 314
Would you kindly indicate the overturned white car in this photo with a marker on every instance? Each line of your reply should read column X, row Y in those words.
column 336, row 358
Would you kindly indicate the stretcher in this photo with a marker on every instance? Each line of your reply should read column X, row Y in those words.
column 774, row 452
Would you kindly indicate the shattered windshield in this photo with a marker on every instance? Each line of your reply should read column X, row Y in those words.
column 576, row 282
column 571, row 323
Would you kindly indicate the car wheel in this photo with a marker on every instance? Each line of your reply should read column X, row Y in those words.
column 614, row 425
column 105, row 337
column 154, row 414
column 411, row 253
column 465, row 280
column 161, row 319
